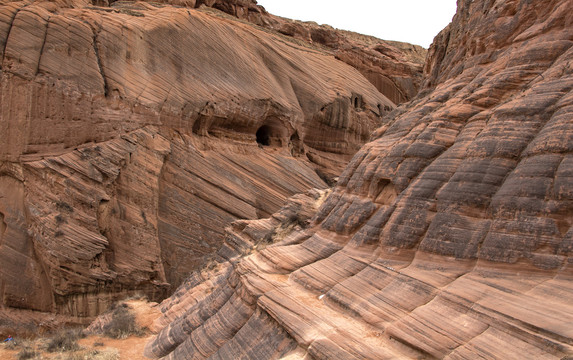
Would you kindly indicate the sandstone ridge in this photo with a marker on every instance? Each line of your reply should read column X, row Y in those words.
column 449, row 235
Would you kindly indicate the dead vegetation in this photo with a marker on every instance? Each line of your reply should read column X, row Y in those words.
column 65, row 340
column 72, row 344
column 284, row 229
column 93, row 354
column 122, row 324
column 27, row 353
column 61, row 345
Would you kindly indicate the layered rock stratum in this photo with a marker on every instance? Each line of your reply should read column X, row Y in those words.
column 395, row 68
column 447, row 236
column 134, row 133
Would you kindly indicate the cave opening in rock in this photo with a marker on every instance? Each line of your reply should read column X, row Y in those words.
column 264, row 135
column 295, row 137
column 356, row 101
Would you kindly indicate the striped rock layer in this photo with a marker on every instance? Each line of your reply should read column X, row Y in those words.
column 449, row 235
column 133, row 134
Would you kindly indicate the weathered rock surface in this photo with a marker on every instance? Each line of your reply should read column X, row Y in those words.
column 133, row 134
column 395, row 68
column 447, row 236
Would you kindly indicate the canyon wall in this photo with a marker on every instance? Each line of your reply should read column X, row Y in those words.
column 132, row 135
column 449, row 235
column 394, row 68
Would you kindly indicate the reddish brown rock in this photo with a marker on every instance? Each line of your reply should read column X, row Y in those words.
column 134, row 134
column 447, row 236
column 395, row 68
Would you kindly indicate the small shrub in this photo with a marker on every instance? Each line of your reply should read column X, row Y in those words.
column 107, row 354
column 268, row 239
column 27, row 353
column 122, row 324
column 212, row 265
column 64, row 341
column 18, row 344
column 85, row 355
column 284, row 229
column 98, row 344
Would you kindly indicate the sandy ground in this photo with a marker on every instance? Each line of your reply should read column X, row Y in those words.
column 130, row 348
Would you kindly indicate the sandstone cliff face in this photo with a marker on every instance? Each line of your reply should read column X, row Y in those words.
column 395, row 68
column 133, row 134
column 447, row 236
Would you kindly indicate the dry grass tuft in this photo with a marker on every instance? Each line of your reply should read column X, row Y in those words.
column 122, row 324
column 107, row 354
column 27, row 353
column 66, row 340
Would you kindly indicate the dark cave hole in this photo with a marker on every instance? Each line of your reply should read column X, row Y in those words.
column 356, row 101
column 294, row 138
column 296, row 145
column 264, row 135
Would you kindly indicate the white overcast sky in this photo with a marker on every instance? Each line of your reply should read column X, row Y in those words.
column 413, row 21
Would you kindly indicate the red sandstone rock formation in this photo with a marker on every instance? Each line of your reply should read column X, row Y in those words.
column 395, row 68
column 448, row 236
column 133, row 134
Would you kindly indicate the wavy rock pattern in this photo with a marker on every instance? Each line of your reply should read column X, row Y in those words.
column 134, row 134
column 395, row 68
column 447, row 236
